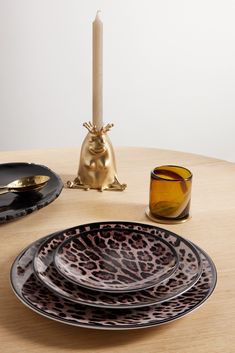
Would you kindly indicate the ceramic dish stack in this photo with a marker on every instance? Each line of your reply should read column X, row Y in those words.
column 113, row 275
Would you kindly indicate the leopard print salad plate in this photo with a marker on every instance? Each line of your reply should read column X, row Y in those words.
column 116, row 259
column 39, row 298
column 183, row 279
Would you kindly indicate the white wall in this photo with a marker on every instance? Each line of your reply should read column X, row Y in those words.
column 169, row 73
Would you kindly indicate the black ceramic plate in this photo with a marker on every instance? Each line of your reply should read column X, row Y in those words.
column 39, row 298
column 16, row 205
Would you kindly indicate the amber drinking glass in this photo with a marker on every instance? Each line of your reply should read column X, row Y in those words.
column 170, row 193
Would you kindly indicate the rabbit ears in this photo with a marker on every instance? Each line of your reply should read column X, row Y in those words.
column 93, row 129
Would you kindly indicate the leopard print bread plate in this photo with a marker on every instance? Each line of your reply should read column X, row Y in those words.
column 116, row 259
column 184, row 278
column 37, row 297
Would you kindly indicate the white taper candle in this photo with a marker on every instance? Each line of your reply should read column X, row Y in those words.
column 97, row 73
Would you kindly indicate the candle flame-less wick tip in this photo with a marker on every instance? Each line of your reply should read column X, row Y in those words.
column 98, row 13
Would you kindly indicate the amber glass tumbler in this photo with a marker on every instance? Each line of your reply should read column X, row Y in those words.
column 170, row 192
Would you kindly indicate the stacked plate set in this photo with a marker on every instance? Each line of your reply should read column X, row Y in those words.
column 113, row 275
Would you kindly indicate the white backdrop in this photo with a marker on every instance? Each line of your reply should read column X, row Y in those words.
column 169, row 73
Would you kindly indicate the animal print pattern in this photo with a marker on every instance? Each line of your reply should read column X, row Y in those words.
column 116, row 259
column 182, row 280
column 36, row 296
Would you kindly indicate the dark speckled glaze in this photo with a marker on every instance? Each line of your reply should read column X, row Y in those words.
column 40, row 299
column 18, row 205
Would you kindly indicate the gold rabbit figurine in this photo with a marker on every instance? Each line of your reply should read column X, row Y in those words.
column 97, row 168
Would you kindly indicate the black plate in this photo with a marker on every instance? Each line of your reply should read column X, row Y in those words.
column 14, row 205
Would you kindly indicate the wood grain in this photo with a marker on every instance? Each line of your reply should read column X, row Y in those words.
column 210, row 329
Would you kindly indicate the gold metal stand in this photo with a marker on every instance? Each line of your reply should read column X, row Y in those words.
column 97, row 167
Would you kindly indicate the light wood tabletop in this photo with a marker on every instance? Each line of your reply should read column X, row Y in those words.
column 210, row 328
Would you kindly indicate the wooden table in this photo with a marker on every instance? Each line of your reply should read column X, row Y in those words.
column 209, row 329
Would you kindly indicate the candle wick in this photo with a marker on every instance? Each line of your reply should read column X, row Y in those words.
column 98, row 14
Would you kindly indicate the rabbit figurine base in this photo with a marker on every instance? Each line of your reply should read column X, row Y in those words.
column 97, row 167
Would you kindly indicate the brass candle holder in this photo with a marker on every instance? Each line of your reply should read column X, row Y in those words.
column 97, row 167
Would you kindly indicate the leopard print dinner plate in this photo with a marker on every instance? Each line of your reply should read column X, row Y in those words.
column 183, row 279
column 116, row 259
column 39, row 298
